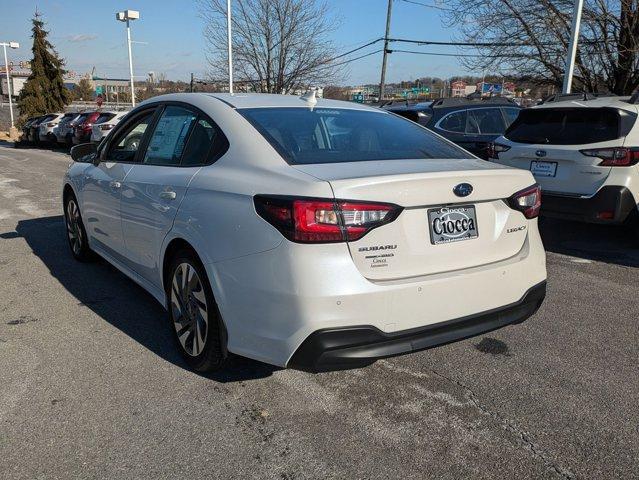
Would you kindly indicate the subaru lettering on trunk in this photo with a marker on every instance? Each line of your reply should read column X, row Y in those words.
column 452, row 224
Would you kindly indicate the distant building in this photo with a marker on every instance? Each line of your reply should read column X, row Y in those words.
column 110, row 88
column 462, row 89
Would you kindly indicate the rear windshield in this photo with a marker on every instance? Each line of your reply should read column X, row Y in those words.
column 81, row 118
column 104, row 117
column 304, row 136
column 568, row 126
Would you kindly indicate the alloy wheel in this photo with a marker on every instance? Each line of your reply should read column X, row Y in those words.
column 189, row 309
column 74, row 230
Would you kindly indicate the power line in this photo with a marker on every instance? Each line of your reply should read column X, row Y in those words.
column 356, row 49
column 444, row 54
column 357, row 58
column 481, row 44
column 475, row 55
column 435, row 7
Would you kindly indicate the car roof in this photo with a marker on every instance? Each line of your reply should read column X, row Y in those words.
column 598, row 102
column 454, row 103
column 259, row 100
column 403, row 106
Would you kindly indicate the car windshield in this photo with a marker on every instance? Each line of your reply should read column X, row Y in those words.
column 329, row 135
column 565, row 126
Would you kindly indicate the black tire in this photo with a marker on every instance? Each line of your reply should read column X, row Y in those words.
column 201, row 339
column 75, row 231
column 632, row 224
column 132, row 143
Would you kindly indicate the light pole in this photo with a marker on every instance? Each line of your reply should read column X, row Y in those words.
column 127, row 16
column 572, row 49
column 230, row 44
column 6, row 67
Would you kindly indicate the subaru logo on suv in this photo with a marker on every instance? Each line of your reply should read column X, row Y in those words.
column 540, row 153
column 463, row 189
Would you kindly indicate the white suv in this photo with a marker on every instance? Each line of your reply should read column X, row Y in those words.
column 583, row 153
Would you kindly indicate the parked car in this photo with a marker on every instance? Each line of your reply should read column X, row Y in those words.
column 83, row 128
column 310, row 233
column 104, row 124
column 45, row 130
column 34, row 128
column 471, row 124
column 583, row 153
column 26, row 129
column 64, row 132
column 61, row 125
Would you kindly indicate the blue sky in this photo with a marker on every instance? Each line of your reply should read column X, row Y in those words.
column 86, row 34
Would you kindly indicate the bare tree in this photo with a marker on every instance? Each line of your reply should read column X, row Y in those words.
column 278, row 45
column 608, row 53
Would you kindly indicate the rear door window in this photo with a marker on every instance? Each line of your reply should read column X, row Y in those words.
column 485, row 121
column 454, row 122
column 169, row 136
column 567, row 126
column 104, row 117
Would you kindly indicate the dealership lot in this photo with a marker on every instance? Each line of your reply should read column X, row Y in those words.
column 93, row 387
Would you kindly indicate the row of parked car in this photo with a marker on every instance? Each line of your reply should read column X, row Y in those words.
column 68, row 129
column 582, row 149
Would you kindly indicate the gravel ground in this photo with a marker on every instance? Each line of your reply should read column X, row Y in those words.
column 91, row 385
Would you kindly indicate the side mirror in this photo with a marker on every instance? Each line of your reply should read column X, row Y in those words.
column 83, row 152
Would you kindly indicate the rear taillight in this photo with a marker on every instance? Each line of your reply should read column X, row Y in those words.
column 494, row 149
column 310, row 220
column 527, row 201
column 106, row 127
column 614, row 157
column 50, row 124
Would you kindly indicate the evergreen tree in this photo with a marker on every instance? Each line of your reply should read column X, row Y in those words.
column 83, row 90
column 44, row 90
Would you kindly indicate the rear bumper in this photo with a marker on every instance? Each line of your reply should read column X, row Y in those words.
column 611, row 204
column 354, row 347
column 273, row 301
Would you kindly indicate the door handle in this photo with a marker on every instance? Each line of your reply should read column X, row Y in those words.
column 168, row 195
column 115, row 184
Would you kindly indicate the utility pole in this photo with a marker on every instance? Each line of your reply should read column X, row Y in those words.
column 192, row 82
column 382, row 82
column 572, row 48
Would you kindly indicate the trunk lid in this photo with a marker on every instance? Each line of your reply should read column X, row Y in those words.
column 405, row 247
column 561, row 168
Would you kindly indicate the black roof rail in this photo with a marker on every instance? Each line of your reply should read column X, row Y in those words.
column 566, row 97
column 456, row 101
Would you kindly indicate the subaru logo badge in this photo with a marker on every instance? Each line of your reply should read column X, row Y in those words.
column 463, row 189
column 540, row 153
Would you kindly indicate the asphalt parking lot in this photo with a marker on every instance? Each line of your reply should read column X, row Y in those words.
column 91, row 385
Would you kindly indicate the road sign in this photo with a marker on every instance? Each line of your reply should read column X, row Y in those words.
column 358, row 97
column 99, row 89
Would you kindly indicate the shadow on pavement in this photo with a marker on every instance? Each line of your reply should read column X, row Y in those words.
column 116, row 299
column 604, row 243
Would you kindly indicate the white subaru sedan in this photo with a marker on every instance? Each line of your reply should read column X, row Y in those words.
column 303, row 232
